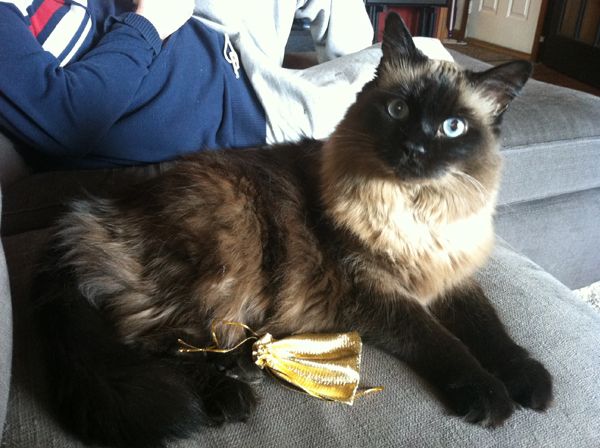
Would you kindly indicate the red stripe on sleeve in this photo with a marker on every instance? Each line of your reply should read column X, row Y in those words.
column 43, row 14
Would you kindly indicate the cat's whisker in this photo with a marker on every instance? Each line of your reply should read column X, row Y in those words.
column 463, row 178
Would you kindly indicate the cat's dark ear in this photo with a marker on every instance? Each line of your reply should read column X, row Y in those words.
column 397, row 41
column 504, row 82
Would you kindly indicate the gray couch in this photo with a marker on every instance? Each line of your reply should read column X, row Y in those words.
column 549, row 210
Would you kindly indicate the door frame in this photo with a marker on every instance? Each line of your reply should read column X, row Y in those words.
column 537, row 40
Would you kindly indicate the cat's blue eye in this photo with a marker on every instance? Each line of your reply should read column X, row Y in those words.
column 453, row 127
column 397, row 109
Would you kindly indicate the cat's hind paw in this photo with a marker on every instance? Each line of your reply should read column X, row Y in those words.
column 229, row 400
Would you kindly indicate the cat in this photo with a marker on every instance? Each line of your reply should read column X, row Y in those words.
column 379, row 229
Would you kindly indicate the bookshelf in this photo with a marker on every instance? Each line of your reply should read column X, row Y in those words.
column 423, row 17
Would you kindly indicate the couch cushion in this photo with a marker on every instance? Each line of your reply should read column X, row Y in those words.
column 539, row 312
column 35, row 201
column 561, row 233
column 550, row 141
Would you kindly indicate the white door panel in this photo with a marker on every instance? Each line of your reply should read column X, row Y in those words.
column 519, row 9
column 488, row 5
column 508, row 23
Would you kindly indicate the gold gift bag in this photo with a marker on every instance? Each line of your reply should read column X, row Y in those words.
column 326, row 366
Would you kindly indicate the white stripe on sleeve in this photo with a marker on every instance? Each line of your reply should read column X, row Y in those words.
column 66, row 30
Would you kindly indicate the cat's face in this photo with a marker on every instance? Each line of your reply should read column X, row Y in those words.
column 423, row 117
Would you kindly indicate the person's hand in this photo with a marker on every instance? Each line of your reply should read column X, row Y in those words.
column 166, row 16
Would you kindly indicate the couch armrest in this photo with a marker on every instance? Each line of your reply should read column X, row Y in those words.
column 5, row 334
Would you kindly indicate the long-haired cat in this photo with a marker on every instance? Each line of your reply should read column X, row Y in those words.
column 378, row 230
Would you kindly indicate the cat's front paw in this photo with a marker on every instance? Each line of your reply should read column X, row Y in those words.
column 529, row 383
column 481, row 399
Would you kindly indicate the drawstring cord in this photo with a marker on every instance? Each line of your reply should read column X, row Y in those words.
column 231, row 56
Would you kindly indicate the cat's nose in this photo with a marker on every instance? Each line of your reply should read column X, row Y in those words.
column 415, row 148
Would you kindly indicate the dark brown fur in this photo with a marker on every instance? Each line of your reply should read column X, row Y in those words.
column 357, row 233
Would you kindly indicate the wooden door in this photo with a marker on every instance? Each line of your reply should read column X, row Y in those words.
column 572, row 39
column 507, row 23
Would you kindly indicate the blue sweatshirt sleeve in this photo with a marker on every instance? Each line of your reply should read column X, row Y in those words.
column 62, row 111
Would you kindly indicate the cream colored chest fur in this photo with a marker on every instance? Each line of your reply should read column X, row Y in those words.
column 430, row 247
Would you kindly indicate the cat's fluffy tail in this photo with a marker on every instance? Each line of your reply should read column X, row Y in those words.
column 104, row 391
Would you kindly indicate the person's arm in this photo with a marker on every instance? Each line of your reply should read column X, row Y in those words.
column 338, row 27
column 64, row 110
